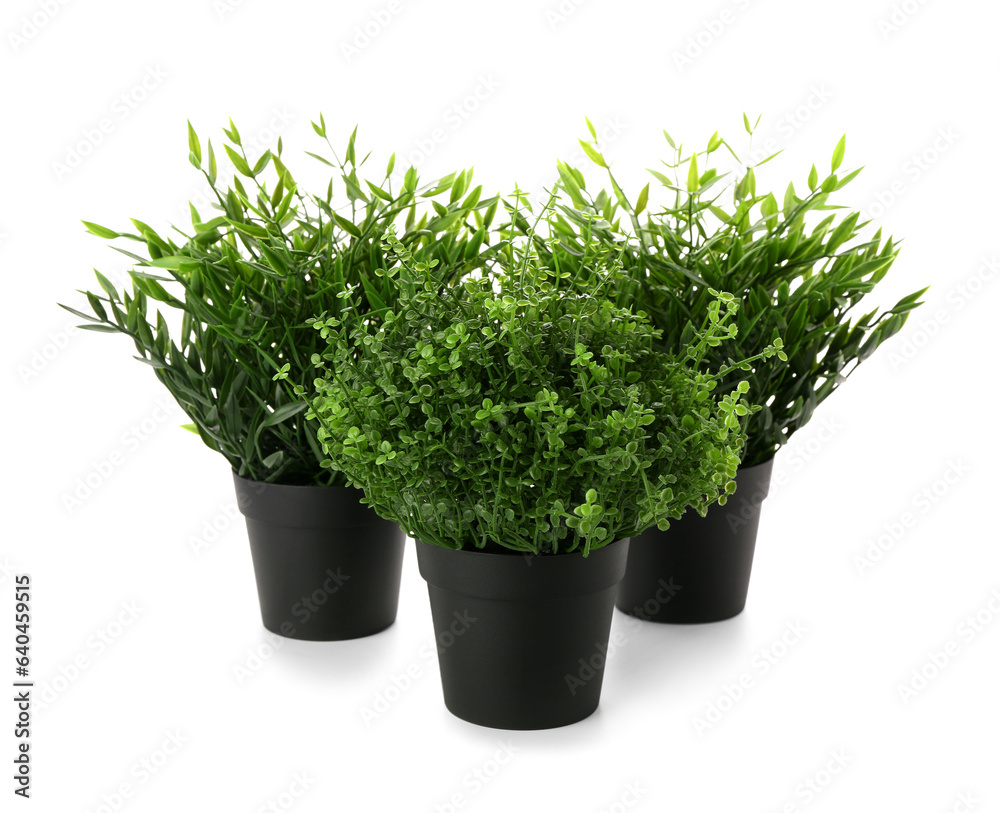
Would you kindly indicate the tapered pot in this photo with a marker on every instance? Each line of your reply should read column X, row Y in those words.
column 522, row 640
column 327, row 567
column 698, row 570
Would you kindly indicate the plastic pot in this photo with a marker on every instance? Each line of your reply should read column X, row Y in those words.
column 699, row 569
column 327, row 567
column 522, row 640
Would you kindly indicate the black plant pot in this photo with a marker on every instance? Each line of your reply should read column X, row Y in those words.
column 522, row 640
column 699, row 569
column 327, row 567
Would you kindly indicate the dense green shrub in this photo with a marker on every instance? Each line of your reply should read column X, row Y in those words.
column 507, row 411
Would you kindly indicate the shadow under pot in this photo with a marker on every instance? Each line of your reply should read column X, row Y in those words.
column 698, row 570
column 327, row 567
column 521, row 639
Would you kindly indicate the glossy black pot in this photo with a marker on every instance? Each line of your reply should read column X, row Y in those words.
column 698, row 570
column 522, row 640
column 327, row 567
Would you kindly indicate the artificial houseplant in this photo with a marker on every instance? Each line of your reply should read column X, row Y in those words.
column 799, row 268
column 232, row 296
column 521, row 434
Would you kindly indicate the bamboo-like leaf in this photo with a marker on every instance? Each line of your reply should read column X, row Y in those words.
column 838, row 154
column 593, row 154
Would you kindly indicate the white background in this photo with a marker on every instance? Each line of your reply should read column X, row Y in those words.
column 912, row 435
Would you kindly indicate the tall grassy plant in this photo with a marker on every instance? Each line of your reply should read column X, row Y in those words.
column 240, row 285
column 799, row 273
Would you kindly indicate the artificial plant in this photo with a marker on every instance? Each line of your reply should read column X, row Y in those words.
column 507, row 412
column 800, row 269
column 233, row 293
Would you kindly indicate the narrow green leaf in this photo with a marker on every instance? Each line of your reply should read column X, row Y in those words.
column 320, row 158
column 378, row 192
column 593, row 154
column 347, row 226
column 80, row 314
column 100, row 231
column 171, row 263
column 261, row 163
column 838, row 154
column 212, row 167
column 283, row 413
column 640, row 203
column 693, row 179
column 238, row 161
column 100, row 328
column 106, row 286
column 350, row 146
column 194, row 145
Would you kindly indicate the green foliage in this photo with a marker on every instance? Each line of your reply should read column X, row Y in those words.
column 507, row 411
column 794, row 281
column 242, row 284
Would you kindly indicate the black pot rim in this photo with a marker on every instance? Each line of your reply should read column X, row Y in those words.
column 501, row 576
column 301, row 506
